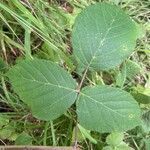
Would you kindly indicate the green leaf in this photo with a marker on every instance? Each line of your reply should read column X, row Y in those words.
column 141, row 98
column 132, row 68
column 3, row 67
column 107, row 109
column 114, row 139
column 3, row 121
column 146, row 122
column 147, row 144
column 86, row 134
column 103, row 36
column 141, row 30
column 123, row 146
column 77, row 133
column 23, row 139
column 141, row 94
column 121, row 77
column 47, row 53
column 47, row 88
column 107, row 148
column 6, row 132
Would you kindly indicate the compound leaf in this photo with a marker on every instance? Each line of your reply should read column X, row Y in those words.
column 103, row 36
column 107, row 109
column 47, row 88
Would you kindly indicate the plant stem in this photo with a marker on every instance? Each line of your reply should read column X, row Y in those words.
column 135, row 143
column 45, row 133
column 78, row 90
column 75, row 138
column 84, row 75
column 53, row 133
column 9, row 100
column 69, row 132
column 27, row 43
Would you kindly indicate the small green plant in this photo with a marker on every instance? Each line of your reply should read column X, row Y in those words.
column 103, row 37
column 115, row 142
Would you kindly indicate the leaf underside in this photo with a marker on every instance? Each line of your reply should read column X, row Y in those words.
column 107, row 109
column 47, row 88
column 103, row 36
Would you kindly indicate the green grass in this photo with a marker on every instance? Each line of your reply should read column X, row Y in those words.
column 39, row 28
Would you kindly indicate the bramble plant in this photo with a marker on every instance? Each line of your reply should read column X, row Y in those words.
column 103, row 37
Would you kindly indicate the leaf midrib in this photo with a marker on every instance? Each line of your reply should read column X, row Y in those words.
column 103, row 105
column 102, row 40
column 47, row 83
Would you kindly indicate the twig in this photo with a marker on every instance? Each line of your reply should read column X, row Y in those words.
column 84, row 75
column 78, row 91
